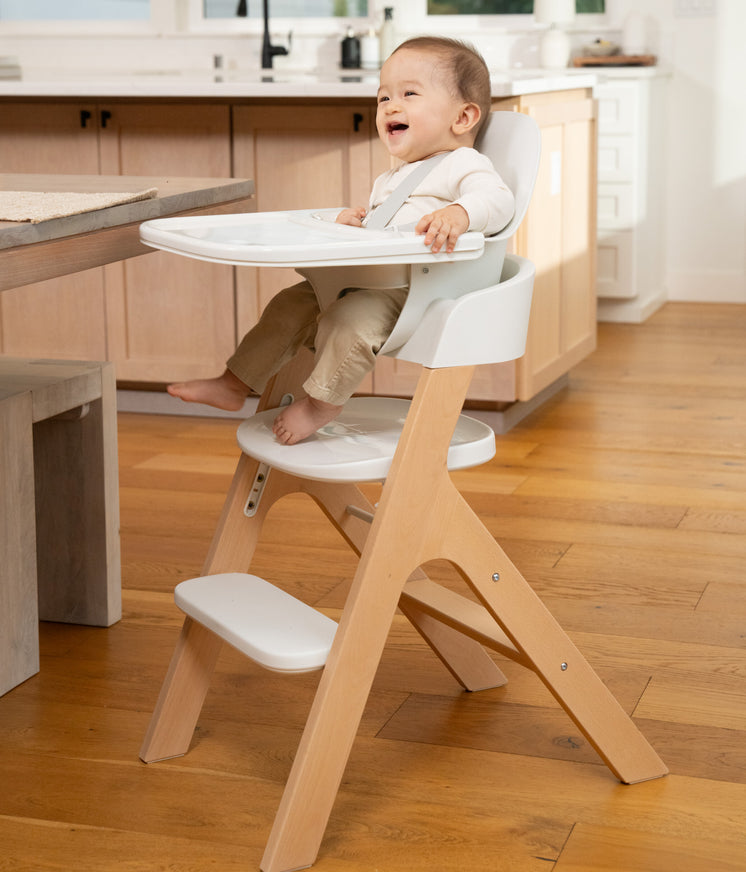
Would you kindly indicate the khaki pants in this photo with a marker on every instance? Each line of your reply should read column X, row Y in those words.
column 345, row 339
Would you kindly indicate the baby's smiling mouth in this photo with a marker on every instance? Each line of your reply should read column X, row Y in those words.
column 396, row 127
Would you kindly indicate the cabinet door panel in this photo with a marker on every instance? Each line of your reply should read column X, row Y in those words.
column 300, row 157
column 168, row 317
column 578, row 316
column 559, row 236
column 616, row 265
column 62, row 317
column 541, row 233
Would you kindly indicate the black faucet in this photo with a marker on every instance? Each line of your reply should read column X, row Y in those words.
column 269, row 50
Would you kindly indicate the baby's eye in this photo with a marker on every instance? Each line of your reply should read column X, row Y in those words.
column 410, row 93
column 382, row 99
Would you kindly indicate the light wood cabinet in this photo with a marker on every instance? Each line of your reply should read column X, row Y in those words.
column 559, row 236
column 301, row 157
column 63, row 317
column 168, row 318
column 158, row 317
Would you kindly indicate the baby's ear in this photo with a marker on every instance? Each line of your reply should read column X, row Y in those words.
column 468, row 119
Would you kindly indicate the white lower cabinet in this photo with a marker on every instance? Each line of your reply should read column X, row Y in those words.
column 630, row 281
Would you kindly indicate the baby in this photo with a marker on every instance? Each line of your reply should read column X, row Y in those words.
column 434, row 95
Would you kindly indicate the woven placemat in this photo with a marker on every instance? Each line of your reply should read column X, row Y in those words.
column 37, row 206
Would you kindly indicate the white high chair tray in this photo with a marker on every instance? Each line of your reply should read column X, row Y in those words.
column 358, row 445
column 294, row 238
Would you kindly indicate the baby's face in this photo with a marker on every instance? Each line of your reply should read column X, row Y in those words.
column 416, row 107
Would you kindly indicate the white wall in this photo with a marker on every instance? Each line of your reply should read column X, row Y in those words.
column 706, row 113
column 706, row 180
column 707, row 143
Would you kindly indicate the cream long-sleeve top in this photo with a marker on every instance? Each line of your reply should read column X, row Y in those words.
column 465, row 176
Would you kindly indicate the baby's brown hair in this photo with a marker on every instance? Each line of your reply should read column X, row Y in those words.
column 469, row 74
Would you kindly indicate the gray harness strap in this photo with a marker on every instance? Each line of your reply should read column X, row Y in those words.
column 382, row 214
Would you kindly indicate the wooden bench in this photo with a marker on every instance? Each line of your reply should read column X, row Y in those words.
column 59, row 504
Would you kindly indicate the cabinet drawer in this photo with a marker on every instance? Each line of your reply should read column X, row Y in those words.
column 616, row 159
column 617, row 108
column 615, row 265
column 617, row 206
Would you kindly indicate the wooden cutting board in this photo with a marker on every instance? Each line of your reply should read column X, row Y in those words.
column 615, row 61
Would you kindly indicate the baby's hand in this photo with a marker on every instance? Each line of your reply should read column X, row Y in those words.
column 443, row 227
column 353, row 217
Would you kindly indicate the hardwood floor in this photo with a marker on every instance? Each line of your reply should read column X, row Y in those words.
column 622, row 500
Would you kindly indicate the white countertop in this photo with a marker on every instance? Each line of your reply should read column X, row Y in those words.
column 259, row 84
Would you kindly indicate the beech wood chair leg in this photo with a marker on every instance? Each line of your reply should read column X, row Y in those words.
column 184, row 689
column 548, row 650
column 333, row 498
column 182, row 693
column 464, row 658
column 393, row 550
column 338, row 705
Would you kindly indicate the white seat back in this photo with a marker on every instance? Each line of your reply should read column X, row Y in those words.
column 489, row 325
column 513, row 143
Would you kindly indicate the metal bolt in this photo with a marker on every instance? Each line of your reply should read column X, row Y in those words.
column 563, row 667
column 496, row 576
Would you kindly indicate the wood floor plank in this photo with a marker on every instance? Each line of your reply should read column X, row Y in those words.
column 645, row 538
column 632, row 621
column 714, row 699
column 60, row 847
column 611, row 849
column 723, row 598
column 730, row 521
column 714, row 753
column 682, row 495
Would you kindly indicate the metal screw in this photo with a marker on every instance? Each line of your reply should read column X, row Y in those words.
column 425, row 270
column 563, row 667
column 496, row 576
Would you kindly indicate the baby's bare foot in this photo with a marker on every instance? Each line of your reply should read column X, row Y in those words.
column 224, row 392
column 302, row 418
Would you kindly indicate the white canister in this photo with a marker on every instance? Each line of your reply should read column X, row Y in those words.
column 370, row 51
column 387, row 37
column 634, row 34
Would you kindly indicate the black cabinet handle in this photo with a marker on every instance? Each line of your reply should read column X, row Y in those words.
column 357, row 120
column 85, row 117
column 105, row 117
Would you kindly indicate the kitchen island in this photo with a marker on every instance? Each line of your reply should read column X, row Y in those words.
column 309, row 142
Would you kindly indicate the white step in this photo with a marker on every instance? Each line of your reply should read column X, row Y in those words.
column 268, row 625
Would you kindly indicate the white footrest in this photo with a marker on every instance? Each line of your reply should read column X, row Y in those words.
column 265, row 623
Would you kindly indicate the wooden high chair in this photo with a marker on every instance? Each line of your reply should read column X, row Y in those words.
column 421, row 517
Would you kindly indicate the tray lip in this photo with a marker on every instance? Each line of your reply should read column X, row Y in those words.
column 389, row 246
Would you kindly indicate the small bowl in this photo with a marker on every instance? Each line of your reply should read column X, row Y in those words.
column 601, row 48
